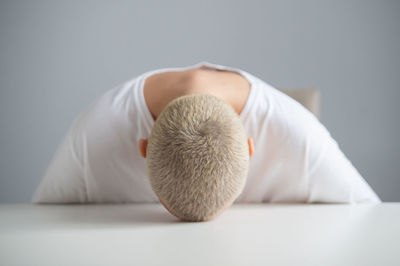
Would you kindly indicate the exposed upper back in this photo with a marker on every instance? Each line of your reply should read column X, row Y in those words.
column 161, row 88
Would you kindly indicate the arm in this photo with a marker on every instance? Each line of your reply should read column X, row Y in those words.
column 329, row 176
column 334, row 179
column 63, row 181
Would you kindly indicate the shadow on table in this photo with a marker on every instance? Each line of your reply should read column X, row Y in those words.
column 100, row 215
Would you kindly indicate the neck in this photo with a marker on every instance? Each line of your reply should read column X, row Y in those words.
column 231, row 87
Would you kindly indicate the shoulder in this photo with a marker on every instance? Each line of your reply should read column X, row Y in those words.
column 286, row 114
column 294, row 132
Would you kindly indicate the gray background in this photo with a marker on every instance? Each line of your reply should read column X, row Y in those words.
column 58, row 56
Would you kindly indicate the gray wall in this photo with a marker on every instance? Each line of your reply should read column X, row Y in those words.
column 57, row 56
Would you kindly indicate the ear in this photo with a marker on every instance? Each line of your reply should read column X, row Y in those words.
column 143, row 147
column 251, row 146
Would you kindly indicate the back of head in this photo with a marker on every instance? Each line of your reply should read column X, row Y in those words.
column 197, row 156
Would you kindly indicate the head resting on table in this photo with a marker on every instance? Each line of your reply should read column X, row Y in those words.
column 197, row 157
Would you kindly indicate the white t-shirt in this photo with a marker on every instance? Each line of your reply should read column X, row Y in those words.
column 295, row 159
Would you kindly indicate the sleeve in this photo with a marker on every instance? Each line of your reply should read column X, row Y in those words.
column 63, row 181
column 334, row 179
column 328, row 175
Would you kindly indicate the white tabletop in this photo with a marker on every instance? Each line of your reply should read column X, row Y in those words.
column 147, row 234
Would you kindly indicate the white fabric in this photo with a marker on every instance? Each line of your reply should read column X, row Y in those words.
column 295, row 158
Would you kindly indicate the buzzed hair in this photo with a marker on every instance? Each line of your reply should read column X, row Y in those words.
column 197, row 156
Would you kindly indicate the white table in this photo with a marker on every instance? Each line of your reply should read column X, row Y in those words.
column 147, row 234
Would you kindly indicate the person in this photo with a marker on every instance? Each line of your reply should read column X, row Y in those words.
column 198, row 139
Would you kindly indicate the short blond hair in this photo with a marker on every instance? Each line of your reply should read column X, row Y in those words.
column 197, row 156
